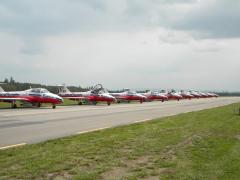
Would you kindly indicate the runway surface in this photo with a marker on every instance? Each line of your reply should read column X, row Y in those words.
column 32, row 125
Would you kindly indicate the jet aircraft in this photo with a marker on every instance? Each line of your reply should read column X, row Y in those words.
column 97, row 94
column 151, row 96
column 129, row 96
column 172, row 95
column 32, row 96
column 186, row 95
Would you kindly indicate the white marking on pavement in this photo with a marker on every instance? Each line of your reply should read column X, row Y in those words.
column 98, row 129
column 12, row 146
column 142, row 120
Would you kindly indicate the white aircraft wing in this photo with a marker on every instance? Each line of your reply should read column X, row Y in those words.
column 13, row 99
column 72, row 97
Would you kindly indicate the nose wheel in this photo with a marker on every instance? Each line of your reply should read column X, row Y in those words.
column 14, row 105
column 54, row 106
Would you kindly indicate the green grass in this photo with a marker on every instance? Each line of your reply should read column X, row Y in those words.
column 66, row 102
column 197, row 145
column 5, row 105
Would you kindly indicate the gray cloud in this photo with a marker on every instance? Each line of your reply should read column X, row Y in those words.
column 213, row 19
column 122, row 43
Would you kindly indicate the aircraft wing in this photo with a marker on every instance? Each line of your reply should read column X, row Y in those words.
column 72, row 97
column 13, row 99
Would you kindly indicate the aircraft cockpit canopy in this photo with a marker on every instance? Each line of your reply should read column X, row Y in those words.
column 39, row 90
column 131, row 92
column 154, row 93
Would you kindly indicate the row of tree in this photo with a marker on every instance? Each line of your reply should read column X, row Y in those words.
column 12, row 85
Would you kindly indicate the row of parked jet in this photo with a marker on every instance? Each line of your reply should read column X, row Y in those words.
column 38, row 96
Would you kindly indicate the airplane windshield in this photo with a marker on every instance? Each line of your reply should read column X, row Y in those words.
column 131, row 92
column 39, row 90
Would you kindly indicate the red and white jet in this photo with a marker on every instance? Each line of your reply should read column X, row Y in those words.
column 212, row 95
column 95, row 95
column 33, row 96
column 172, row 95
column 151, row 96
column 195, row 94
column 186, row 95
column 129, row 96
column 203, row 95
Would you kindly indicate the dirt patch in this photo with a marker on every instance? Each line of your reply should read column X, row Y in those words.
column 186, row 142
column 170, row 152
column 120, row 172
column 151, row 178
column 59, row 176
column 158, row 174
column 143, row 160
column 115, row 173
column 189, row 141
column 237, row 137
column 165, row 171
column 125, row 150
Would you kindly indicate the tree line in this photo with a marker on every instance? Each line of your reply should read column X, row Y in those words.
column 11, row 85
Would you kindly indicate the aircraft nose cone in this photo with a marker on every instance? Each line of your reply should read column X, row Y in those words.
column 61, row 99
column 141, row 96
column 113, row 98
column 108, row 96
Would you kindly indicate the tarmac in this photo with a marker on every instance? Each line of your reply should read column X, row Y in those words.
column 32, row 125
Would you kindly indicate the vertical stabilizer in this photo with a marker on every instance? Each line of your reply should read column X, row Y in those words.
column 62, row 89
column 1, row 89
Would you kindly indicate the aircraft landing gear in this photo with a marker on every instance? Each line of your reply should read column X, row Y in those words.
column 162, row 100
column 54, row 106
column 141, row 101
column 118, row 101
column 79, row 102
column 94, row 102
column 38, row 105
column 108, row 103
column 14, row 105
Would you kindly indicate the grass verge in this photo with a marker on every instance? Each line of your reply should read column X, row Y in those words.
column 197, row 145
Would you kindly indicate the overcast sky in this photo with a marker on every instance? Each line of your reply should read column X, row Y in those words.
column 183, row 44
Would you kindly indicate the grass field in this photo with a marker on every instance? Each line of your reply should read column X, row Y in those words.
column 197, row 145
column 5, row 105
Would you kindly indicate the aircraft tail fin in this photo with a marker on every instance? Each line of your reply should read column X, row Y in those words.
column 63, row 89
column 1, row 89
